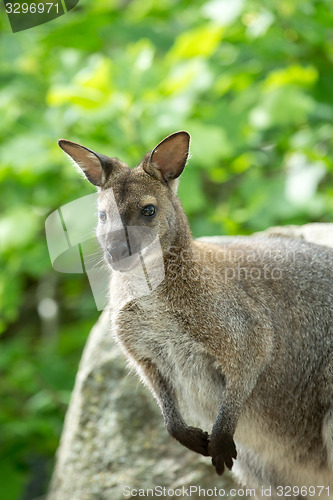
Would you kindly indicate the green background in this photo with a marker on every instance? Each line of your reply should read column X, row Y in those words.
column 252, row 83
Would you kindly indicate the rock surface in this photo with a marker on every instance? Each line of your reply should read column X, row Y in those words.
column 114, row 439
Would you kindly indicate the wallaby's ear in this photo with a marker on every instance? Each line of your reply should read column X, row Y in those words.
column 96, row 167
column 168, row 159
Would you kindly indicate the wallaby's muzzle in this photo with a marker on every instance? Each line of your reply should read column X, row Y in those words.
column 122, row 248
column 117, row 250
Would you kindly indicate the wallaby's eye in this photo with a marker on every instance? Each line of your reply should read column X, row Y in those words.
column 102, row 216
column 148, row 210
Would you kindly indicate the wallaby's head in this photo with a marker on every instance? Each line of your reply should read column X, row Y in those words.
column 136, row 206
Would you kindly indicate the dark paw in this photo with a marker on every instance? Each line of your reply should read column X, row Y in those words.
column 222, row 449
column 196, row 440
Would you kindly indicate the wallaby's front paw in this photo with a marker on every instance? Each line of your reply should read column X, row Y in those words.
column 222, row 449
column 196, row 440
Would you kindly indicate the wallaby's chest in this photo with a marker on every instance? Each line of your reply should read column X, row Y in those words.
column 165, row 341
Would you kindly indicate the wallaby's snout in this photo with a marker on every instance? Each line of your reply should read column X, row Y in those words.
column 118, row 249
column 122, row 248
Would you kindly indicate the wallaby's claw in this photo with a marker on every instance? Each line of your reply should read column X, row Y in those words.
column 222, row 450
column 229, row 463
column 196, row 440
column 218, row 463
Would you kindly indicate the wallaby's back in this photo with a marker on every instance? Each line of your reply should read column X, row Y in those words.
column 288, row 420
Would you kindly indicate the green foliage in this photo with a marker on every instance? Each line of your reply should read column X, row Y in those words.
column 252, row 84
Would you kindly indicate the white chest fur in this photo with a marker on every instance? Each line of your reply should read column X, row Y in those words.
column 190, row 371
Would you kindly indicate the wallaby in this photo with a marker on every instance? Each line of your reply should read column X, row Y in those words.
column 237, row 338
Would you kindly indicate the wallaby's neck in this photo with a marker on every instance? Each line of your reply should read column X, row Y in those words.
column 179, row 259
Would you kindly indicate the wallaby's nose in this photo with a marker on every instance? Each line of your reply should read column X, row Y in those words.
column 118, row 250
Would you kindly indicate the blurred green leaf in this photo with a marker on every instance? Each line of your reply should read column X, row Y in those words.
column 201, row 41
